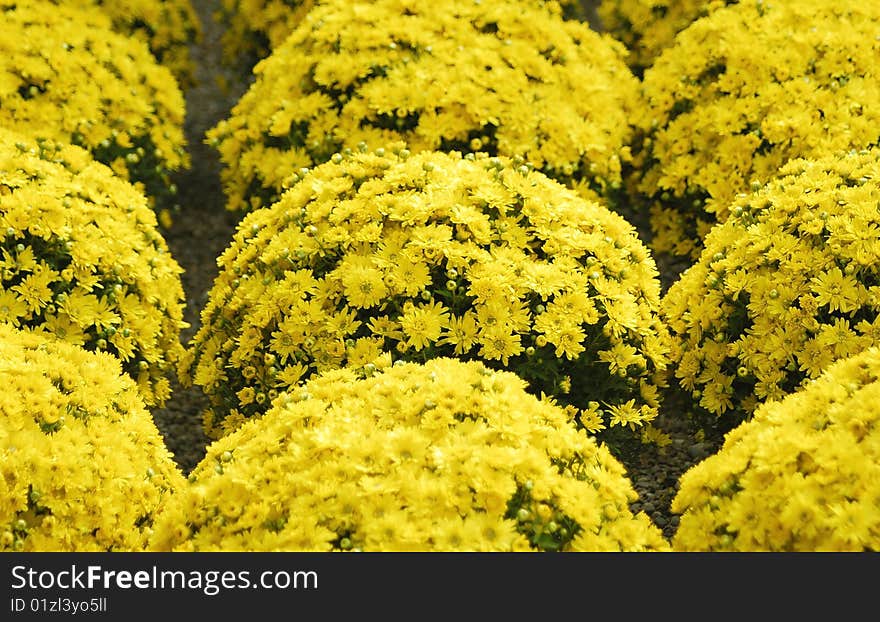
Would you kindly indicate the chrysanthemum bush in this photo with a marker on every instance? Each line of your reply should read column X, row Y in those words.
column 253, row 28
column 786, row 286
column 168, row 27
column 442, row 456
column 802, row 475
column 81, row 258
column 742, row 91
column 82, row 465
column 66, row 75
column 506, row 78
column 647, row 27
column 429, row 255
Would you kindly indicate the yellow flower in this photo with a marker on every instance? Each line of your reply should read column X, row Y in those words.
column 364, row 351
column 460, row 332
column 774, row 298
column 799, row 476
column 499, row 343
column 428, row 285
column 168, row 28
column 34, row 288
column 130, row 109
column 647, row 28
column 410, row 277
column 290, row 375
column 720, row 121
column 591, row 419
column 837, row 291
column 447, row 83
column 383, row 326
column 363, row 284
column 86, row 262
column 73, row 420
column 423, row 323
column 12, row 308
column 620, row 357
column 403, row 468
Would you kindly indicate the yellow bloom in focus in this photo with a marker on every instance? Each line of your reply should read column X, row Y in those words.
column 34, row 288
column 498, row 343
column 12, row 308
column 461, row 332
column 423, row 323
column 363, row 284
column 837, row 291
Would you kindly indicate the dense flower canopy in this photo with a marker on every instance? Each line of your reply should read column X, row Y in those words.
column 427, row 255
column 742, row 91
column 82, row 465
column 168, row 27
column 253, row 28
column 445, row 456
column 506, row 78
column 81, row 258
column 647, row 27
column 787, row 285
column 67, row 76
column 802, row 475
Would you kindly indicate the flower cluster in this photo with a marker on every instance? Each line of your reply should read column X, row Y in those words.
column 505, row 78
column 742, row 91
column 253, row 28
column 647, row 27
column 82, row 465
column 168, row 27
column 430, row 255
column 81, row 258
column 802, row 475
column 787, row 285
column 66, row 75
column 442, row 456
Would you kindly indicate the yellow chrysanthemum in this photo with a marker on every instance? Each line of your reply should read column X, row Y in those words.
column 591, row 334
column 802, row 475
column 82, row 465
column 740, row 93
column 506, row 78
column 782, row 288
column 445, row 456
column 647, row 27
column 82, row 259
column 168, row 27
column 67, row 76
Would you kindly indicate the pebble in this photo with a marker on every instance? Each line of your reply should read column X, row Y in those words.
column 698, row 451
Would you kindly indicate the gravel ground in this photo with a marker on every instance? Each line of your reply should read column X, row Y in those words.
column 203, row 228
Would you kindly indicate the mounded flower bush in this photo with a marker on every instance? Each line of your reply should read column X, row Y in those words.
column 787, row 285
column 444, row 456
column 803, row 475
column 647, row 27
column 742, row 91
column 506, row 78
column 168, row 27
column 431, row 255
column 253, row 28
column 66, row 75
column 82, row 465
column 81, row 258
